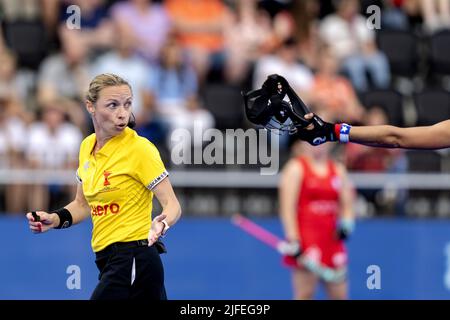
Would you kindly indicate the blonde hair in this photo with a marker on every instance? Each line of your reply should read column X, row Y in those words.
column 102, row 81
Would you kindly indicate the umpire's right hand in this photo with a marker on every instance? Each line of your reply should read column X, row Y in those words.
column 45, row 223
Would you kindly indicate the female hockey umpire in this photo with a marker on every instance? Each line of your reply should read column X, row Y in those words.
column 118, row 174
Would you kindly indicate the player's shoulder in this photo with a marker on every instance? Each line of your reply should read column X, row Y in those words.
column 294, row 166
column 89, row 139
column 140, row 144
column 87, row 142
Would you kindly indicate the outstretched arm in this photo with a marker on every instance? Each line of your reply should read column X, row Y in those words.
column 427, row 137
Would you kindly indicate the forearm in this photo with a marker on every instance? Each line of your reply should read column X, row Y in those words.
column 172, row 211
column 426, row 137
column 381, row 136
column 347, row 212
column 78, row 211
column 289, row 224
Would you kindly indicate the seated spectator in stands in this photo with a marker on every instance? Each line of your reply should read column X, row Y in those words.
column 29, row 18
column 283, row 25
column 13, row 135
column 95, row 26
column 124, row 62
column 66, row 75
column 285, row 63
column 354, row 44
column 200, row 26
column 413, row 10
column 393, row 15
column 333, row 92
column 52, row 144
column 173, row 91
column 149, row 23
column 31, row 10
column 18, row 91
column 367, row 159
column 248, row 35
column 436, row 14
column 307, row 22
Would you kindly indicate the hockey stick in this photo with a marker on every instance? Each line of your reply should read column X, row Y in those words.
column 273, row 241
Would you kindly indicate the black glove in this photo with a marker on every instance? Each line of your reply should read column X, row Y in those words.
column 321, row 133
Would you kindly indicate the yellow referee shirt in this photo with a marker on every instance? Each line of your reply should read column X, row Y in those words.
column 117, row 184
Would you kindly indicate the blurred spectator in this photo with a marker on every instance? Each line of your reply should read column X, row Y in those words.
column 149, row 24
column 124, row 62
column 413, row 11
column 18, row 90
column 173, row 91
column 367, row 159
column 66, row 75
column 436, row 14
column 274, row 7
column 333, row 92
column 12, row 145
column 31, row 10
column 403, row 15
column 200, row 27
column 20, row 9
column 285, row 63
column 52, row 144
column 306, row 13
column 25, row 30
column 95, row 26
column 393, row 16
column 248, row 35
column 354, row 44
column 283, row 26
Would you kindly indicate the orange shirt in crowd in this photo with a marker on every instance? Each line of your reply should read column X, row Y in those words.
column 333, row 93
column 198, row 22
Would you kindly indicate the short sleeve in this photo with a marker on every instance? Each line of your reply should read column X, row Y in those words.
column 150, row 169
column 83, row 163
column 77, row 176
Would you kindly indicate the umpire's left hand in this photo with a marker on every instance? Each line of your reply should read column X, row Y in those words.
column 45, row 223
column 156, row 229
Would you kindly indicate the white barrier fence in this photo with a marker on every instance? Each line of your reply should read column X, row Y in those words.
column 240, row 179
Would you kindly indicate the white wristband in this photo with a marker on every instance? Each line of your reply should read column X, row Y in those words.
column 165, row 229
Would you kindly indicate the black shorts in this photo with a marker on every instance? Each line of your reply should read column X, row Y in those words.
column 129, row 270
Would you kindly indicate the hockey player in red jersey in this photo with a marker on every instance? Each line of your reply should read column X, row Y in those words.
column 316, row 212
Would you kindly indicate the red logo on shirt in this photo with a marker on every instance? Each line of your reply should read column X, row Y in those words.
column 103, row 210
column 106, row 174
